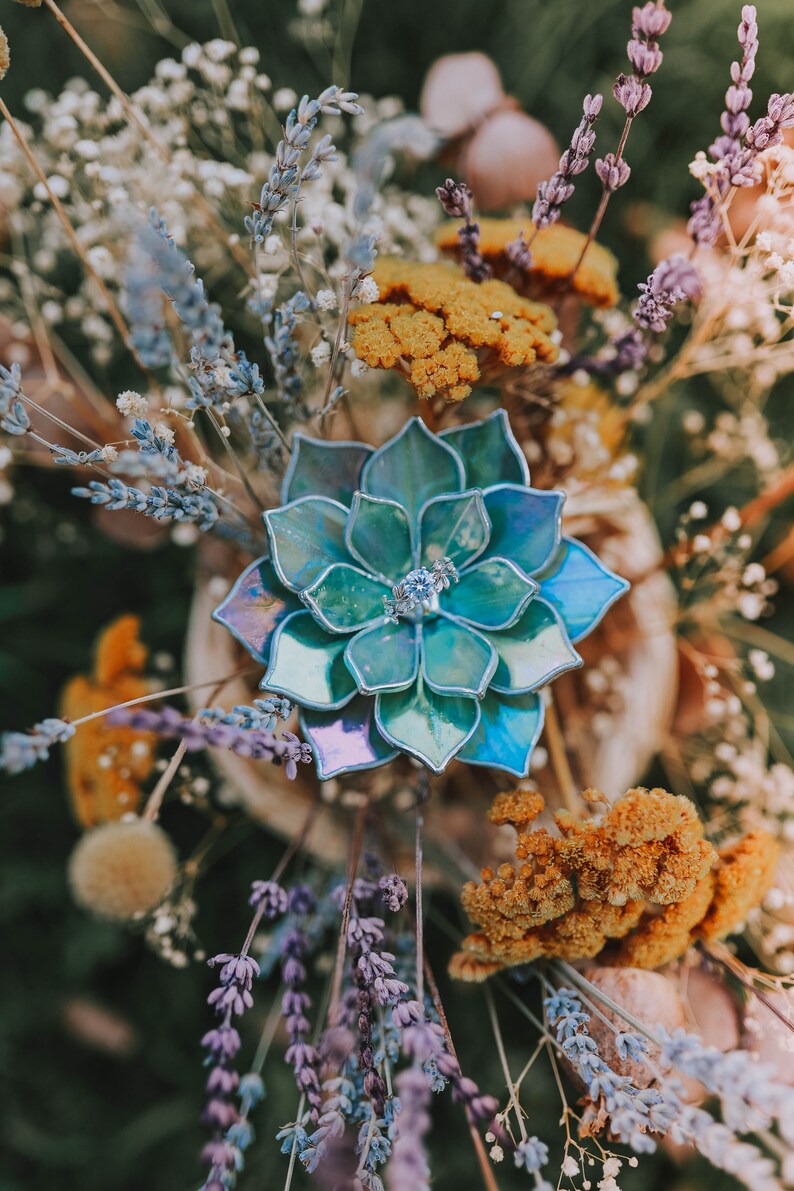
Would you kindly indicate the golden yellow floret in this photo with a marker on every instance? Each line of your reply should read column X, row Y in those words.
column 106, row 766
column 577, row 893
column 555, row 251
column 444, row 331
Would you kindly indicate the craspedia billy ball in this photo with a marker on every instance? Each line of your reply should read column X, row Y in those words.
column 122, row 869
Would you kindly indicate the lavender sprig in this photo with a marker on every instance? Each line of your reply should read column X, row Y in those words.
column 554, row 194
column 377, row 985
column 162, row 504
column 259, row 744
column 23, row 750
column 456, row 200
column 295, row 1004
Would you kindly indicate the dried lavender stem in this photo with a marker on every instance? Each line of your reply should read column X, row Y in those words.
column 606, row 194
column 355, row 852
column 177, row 690
column 420, row 943
column 500, row 1047
column 66, row 223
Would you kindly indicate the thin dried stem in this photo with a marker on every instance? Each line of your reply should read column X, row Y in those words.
column 559, row 759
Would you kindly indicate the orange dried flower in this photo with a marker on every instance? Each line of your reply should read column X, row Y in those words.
column 444, row 332
column 555, row 251
column 105, row 767
column 743, row 878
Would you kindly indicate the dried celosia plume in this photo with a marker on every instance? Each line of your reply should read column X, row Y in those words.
column 105, row 766
column 123, row 870
column 584, row 890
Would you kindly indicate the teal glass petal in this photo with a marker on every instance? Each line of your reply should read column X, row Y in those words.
column 492, row 594
column 489, row 452
column 533, row 651
column 456, row 660
column 385, row 658
column 346, row 740
column 344, row 598
column 580, row 587
column 412, row 467
column 455, row 527
column 430, row 727
column 255, row 606
column 507, row 733
column 525, row 524
column 307, row 664
column 378, row 534
column 305, row 538
column 321, row 468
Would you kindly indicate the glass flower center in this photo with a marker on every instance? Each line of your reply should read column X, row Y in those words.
column 417, row 594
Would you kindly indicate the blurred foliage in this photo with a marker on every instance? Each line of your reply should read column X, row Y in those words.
column 77, row 1117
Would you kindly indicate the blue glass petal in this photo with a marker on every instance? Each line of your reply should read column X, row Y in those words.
column 456, row 660
column 492, row 594
column 455, row 527
column 533, row 651
column 255, row 606
column 347, row 740
column 412, row 467
column 430, row 727
column 321, row 468
column 385, row 658
column 489, row 452
column 345, row 598
column 580, row 587
column 507, row 733
column 305, row 538
column 308, row 665
column 379, row 535
column 525, row 524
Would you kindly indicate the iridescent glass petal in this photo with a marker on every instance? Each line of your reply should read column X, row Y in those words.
column 413, row 467
column 525, row 524
column 344, row 598
column 489, row 452
column 455, row 527
column 307, row 664
column 379, row 535
column 507, row 733
column 345, row 740
column 305, row 538
column 255, row 606
column 492, row 594
column 456, row 660
column 321, row 468
column 532, row 651
column 580, row 587
column 431, row 727
column 385, row 658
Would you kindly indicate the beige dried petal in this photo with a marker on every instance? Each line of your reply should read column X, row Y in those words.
column 459, row 90
column 509, row 154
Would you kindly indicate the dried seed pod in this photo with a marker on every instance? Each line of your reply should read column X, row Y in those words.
column 459, row 91
column 509, row 154
column 122, row 870
column 648, row 996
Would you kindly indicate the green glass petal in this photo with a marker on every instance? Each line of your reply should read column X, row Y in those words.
column 455, row 527
column 345, row 598
column 525, row 524
column 489, row 452
column 385, row 658
column 347, row 740
column 532, row 651
column 492, row 594
column 580, row 587
column 321, row 468
column 308, row 665
column 305, row 538
column 378, row 534
column 507, row 733
column 255, row 606
column 412, row 467
column 430, row 727
column 455, row 659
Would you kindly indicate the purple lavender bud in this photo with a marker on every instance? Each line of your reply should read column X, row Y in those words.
column 518, row 253
column 613, row 172
column 407, row 1013
column 632, row 94
column 651, row 21
column 455, row 198
column 591, row 107
column 677, row 273
column 268, row 897
column 301, row 900
column 644, row 58
column 394, row 891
